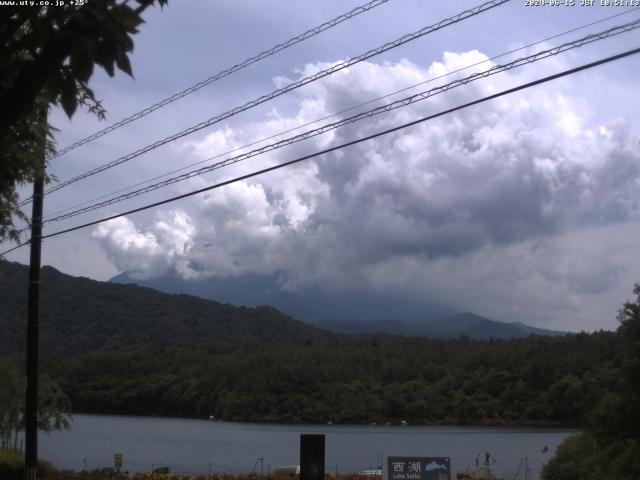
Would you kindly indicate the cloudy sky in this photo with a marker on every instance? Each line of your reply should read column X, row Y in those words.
column 524, row 208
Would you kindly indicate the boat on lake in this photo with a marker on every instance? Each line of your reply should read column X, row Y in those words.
column 287, row 471
column 373, row 472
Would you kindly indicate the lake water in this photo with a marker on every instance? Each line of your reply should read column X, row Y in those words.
column 200, row 446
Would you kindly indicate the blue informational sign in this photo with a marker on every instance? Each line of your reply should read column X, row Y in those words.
column 418, row 468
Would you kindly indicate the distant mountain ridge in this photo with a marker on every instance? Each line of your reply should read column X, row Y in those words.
column 310, row 305
column 82, row 315
column 464, row 324
column 354, row 313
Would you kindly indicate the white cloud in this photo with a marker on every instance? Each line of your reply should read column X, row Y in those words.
column 166, row 244
column 478, row 208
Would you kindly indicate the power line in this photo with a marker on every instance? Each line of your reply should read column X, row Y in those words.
column 346, row 144
column 224, row 73
column 20, row 245
column 361, row 116
column 89, row 202
column 276, row 93
column 255, row 142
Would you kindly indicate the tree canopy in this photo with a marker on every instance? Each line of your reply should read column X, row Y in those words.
column 53, row 408
column 82, row 315
column 609, row 449
column 528, row 381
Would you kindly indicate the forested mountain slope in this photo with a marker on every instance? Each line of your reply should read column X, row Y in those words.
column 346, row 312
column 83, row 315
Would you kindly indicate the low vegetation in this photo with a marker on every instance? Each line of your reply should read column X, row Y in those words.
column 11, row 469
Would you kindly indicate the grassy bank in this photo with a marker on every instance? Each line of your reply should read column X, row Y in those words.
column 12, row 468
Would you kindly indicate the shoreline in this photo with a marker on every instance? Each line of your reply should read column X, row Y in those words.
column 516, row 426
column 189, row 445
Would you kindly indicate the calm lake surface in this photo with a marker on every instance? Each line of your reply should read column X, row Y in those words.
column 200, row 446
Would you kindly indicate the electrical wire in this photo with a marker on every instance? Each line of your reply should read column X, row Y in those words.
column 91, row 201
column 255, row 142
column 421, row 96
column 524, row 86
column 224, row 73
column 276, row 93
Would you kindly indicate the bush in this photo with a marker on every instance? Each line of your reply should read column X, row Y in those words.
column 584, row 457
column 12, row 467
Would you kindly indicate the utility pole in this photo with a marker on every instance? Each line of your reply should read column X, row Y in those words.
column 33, row 317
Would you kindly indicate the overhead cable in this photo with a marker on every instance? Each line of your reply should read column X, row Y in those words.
column 276, row 93
column 345, row 110
column 224, row 73
column 346, row 144
column 360, row 116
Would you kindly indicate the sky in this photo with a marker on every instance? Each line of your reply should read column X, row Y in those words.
column 524, row 208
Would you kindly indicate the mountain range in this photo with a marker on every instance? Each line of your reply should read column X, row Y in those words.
column 463, row 324
column 347, row 313
column 81, row 315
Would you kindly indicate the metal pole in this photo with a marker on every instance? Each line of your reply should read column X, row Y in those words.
column 33, row 322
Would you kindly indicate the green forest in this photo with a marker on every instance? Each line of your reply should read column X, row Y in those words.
column 609, row 447
column 533, row 381
column 286, row 371
column 584, row 380
column 83, row 315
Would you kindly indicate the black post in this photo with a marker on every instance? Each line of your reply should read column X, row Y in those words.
column 33, row 323
column 312, row 457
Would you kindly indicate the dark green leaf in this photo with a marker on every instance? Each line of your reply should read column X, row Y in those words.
column 122, row 61
column 82, row 66
column 68, row 98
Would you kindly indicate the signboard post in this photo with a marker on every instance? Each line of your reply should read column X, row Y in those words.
column 312, row 457
column 418, row 468
column 117, row 461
